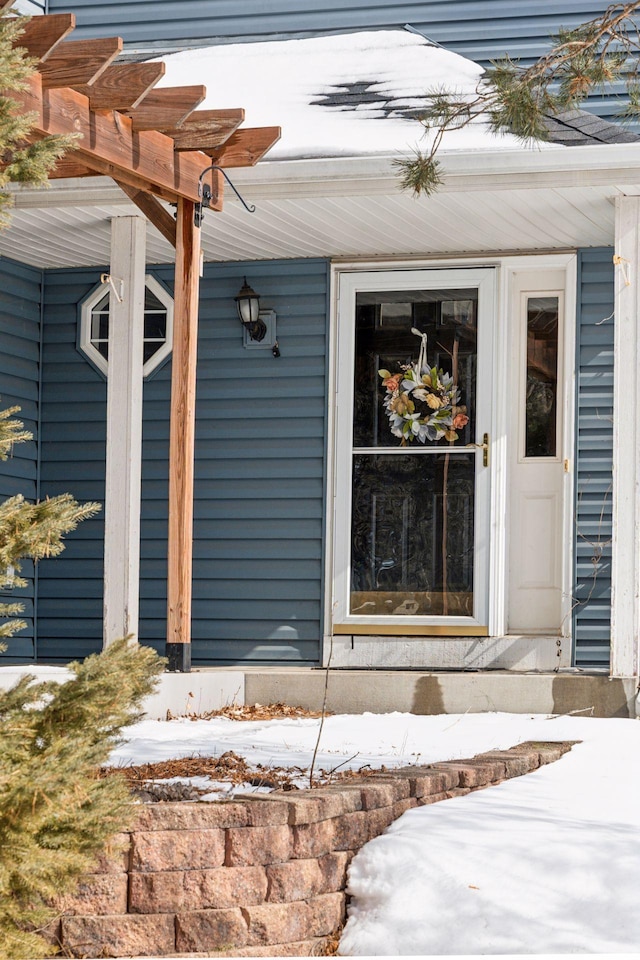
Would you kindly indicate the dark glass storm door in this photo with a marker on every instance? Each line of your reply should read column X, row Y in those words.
column 413, row 452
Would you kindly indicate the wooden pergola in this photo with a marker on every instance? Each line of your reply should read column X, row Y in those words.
column 155, row 144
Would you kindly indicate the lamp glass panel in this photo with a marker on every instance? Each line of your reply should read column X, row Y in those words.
column 248, row 309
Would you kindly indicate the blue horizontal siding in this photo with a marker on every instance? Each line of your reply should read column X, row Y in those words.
column 259, row 486
column 452, row 22
column 480, row 31
column 73, row 433
column 257, row 573
column 594, row 450
column 20, row 295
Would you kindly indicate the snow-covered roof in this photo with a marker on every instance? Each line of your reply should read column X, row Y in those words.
column 329, row 94
column 346, row 105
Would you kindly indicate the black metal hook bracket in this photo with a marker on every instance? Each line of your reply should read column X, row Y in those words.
column 204, row 191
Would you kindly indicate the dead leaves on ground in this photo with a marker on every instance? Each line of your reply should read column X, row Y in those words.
column 254, row 711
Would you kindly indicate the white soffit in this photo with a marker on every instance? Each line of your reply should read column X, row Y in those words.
column 372, row 226
column 354, row 207
column 72, row 236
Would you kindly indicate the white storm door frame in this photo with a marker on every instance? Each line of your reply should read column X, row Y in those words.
column 485, row 280
column 543, row 265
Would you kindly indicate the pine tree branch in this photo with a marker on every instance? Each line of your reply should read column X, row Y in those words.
column 11, row 431
column 56, row 814
column 20, row 160
column 513, row 99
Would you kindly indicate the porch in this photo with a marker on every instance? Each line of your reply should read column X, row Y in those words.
column 415, row 691
column 568, row 691
column 265, row 531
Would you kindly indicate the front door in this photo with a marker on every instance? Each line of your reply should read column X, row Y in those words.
column 413, row 423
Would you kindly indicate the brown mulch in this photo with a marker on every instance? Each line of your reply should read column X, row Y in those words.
column 229, row 767
column 255, row 711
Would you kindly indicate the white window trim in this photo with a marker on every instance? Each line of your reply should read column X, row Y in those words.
column 87, row 348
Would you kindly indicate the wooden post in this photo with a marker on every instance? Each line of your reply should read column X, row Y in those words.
column 182, row 438
column 625, row 547
column 124, row 429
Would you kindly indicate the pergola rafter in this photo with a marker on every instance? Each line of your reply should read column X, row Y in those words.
column 78, row 61
column 157, row 146
column 166, row 108
column 206, row 129
column 154, row 139
column 245, row 147
column 41, row 35
column 109, row 144
column 124, row 86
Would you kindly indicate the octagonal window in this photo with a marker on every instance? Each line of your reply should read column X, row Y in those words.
column 158, row 327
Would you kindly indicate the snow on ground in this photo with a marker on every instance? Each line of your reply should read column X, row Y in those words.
column 548, row 863
column 348, row 741
column 284, row 82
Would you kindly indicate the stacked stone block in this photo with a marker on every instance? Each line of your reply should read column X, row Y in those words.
column 258, row 875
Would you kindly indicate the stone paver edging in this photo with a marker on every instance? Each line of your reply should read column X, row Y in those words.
column 260, row 875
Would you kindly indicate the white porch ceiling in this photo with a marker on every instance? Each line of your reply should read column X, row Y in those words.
column 333, row 227
column 353, row 209
column 375, row 226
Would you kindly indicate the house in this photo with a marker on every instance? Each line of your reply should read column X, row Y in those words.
column 318, row 537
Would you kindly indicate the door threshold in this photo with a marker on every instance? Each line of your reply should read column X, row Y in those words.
column 518, row 652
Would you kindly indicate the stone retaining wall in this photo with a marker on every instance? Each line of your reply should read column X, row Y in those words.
column 258, row 875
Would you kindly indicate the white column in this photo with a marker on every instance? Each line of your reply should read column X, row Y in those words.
column 124, row 429
column 625, row 564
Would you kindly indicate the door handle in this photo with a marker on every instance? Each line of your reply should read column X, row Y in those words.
column 484, row 446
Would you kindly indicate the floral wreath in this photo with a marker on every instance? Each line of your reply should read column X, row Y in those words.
column 422, row 402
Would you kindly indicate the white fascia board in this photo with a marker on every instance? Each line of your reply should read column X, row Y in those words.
column 615, row 164
column 69, row 192
column 601, row 164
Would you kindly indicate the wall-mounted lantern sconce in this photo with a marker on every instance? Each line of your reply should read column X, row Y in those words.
column 248, row 304
column 259, row 325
